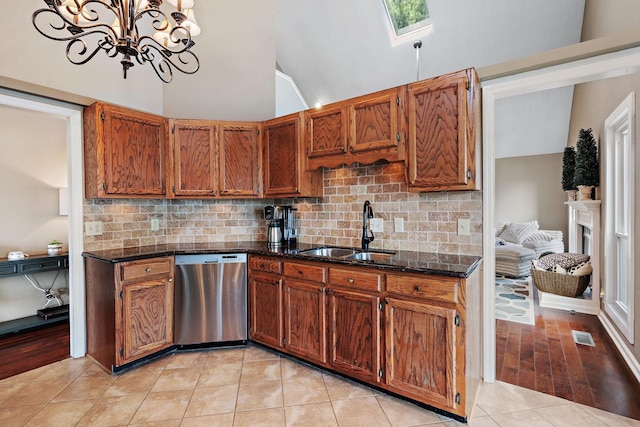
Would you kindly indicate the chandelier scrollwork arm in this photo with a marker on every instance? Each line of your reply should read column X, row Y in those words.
column 114, row 26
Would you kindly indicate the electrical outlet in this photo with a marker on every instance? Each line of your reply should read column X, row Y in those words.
column 399, row 224
column 463, row 227
column 155, row 224
column 93, row 228
column 376, row 225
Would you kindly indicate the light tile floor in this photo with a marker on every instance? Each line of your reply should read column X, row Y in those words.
column 252, row 387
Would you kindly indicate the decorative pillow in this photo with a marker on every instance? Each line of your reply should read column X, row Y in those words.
column 538, row 236
column 500, row 228
column 583, row 269
column 516, row 232
column 565, row 260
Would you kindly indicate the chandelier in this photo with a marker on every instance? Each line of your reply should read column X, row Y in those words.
column 134, row 29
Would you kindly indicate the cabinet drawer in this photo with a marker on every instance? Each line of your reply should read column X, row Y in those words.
column 366, row 280
column 270, row 265
column 145, row 268
column 8, row 269
column 429, row 287
column 41, row 266
column 312, row 273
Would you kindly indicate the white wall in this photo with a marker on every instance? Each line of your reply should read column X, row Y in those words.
column 534, row 123
column 237, row 52
column 529, row 188
column 235, row 81
column 33, row 166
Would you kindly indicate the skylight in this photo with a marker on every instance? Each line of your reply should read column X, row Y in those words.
column 406, row 17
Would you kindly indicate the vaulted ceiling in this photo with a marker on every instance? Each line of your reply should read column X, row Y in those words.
column 336, row 49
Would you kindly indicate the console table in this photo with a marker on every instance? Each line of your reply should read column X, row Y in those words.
column 30, row 265
column 33, row 264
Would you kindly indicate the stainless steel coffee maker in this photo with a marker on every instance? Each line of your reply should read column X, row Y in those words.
column 282, row 228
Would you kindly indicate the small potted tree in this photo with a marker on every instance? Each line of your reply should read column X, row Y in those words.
column 568, row 169
column 587, row 171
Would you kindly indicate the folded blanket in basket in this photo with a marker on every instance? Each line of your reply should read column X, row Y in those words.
column 565, row 263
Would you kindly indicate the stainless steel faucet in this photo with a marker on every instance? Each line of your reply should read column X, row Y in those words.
column 367, row 234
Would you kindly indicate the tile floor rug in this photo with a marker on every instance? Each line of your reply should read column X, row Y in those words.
column 514, row 300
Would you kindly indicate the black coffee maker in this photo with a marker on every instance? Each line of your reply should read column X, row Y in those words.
column 282, row 219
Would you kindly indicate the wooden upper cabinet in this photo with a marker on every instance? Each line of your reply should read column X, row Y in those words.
column 443, row 151
column 285, row 173
column 363, row 129
column 327, row 131
column 375, row 121
column 125, row 153
column 240, row 162
column 193, row 144
column 212, row 158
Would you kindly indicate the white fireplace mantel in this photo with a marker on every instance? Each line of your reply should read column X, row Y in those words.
column 583, row 215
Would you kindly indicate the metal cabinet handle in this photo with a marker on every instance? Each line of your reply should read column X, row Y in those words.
column 148, row 270
column 350, row 280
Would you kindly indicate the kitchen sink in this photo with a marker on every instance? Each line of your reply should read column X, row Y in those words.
column 348, row 253
column 329, row 252
column 370, row 256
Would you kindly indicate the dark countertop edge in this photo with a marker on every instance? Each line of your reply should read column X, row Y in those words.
column 259, row 248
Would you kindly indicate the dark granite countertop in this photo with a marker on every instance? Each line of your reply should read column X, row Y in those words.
column 452, row 265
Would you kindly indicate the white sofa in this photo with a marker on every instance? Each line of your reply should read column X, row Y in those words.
column 517, row 244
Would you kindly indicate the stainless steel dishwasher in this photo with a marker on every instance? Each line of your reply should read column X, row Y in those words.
column 210, row 299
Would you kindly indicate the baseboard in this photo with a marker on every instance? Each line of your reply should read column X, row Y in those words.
column 559, row 302
column 618, row 341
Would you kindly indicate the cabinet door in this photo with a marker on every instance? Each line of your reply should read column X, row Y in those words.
column 282, row 156
column 265, row 294
column 421, row 351
column 442, row 132
column 240, row 163
column 194, row 158
column 147, row 319
column 134, row 153
column 304, row 320
column 327, row 131
column 354, row 331
column 375, row 121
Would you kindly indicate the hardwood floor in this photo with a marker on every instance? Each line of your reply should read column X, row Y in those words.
column 29, row 350
column 545, row 358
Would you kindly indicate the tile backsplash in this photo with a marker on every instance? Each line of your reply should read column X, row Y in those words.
column 429, row 219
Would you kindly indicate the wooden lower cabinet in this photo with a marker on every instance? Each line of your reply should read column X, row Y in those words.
column 129, row 309
column 411, row 334
column 354, row 331
column 420, row 351
column 305, row 320
column 265, row 304
column 147, row 319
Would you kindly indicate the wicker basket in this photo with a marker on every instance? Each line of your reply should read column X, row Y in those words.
column 560, row 284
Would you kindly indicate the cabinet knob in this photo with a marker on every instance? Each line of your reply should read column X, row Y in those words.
column 416, row 288
column 170, row 280
column 350, row 280
column 148, row 270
